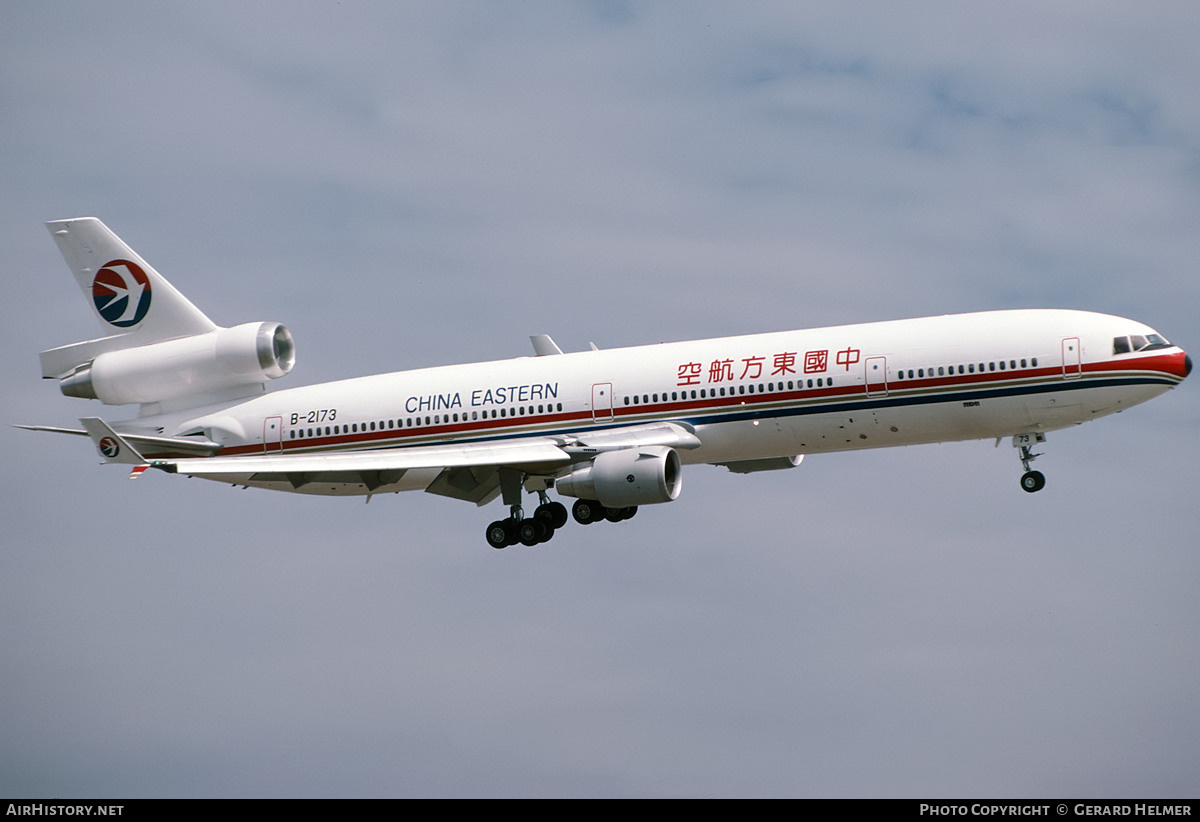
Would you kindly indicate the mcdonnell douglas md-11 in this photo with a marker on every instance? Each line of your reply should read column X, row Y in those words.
column 610, row 428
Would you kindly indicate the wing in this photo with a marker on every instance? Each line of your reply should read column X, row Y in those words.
column 465, row 470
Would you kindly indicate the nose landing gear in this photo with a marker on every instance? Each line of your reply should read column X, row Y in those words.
column 1031, row 481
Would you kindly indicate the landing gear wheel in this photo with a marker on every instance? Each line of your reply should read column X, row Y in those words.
column 497, row 534
column 587, row 511
column 1032, row 481
column 554, row 513
column 532, row 531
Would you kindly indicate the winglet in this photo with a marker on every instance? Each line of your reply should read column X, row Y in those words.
column 112, row 446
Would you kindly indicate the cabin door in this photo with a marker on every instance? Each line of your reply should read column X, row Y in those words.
column 602, row 404
column 1072, row 362
column 273, row 434
column 875, row 369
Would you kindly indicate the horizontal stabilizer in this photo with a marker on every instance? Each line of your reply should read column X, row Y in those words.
column 147, row 445
column 111, row 445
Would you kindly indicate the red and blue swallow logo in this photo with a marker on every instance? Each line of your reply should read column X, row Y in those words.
column 121, row 292
column 109, row 447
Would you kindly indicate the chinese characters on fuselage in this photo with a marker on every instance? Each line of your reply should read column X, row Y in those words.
column 753, row 368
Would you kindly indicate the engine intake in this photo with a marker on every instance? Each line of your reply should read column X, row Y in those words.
column 631, row 476
column 227, row 358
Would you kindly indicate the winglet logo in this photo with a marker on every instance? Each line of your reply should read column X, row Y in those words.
column 121, row 292
column 109, row 447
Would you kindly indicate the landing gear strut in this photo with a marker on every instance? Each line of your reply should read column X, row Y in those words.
column 1031, row 481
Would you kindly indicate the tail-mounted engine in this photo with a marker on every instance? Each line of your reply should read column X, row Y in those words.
column 631, row 476
column 217, row 361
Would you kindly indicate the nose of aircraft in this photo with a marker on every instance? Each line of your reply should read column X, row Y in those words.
column 1187, row 364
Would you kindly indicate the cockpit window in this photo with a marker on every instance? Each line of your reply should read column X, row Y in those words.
column 1139, row 342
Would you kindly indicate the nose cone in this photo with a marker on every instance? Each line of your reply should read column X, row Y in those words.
column 1179, row 364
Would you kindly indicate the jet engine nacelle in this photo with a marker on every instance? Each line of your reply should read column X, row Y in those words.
column 220, row 360
column 631, row 476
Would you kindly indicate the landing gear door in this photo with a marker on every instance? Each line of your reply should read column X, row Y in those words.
column 602, row 403
column 1072, row 361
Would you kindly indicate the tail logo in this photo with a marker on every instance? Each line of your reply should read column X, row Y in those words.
column 108, row 447
column 121, row 292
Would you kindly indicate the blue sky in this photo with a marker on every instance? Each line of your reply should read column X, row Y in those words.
column 414, row 184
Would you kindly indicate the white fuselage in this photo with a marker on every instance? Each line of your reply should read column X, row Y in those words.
column 748, row 398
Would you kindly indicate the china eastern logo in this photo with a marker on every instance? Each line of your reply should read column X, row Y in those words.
column 109, row 447
column 121, row 292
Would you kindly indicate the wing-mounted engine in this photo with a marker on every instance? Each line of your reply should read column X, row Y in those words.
column 630, row 476
column 215, row 362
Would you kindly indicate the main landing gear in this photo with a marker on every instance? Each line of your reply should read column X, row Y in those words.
column 1031, row 481
column 587, row 511
column 547, row 518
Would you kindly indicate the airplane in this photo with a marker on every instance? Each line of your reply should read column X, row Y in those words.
column 611, row 428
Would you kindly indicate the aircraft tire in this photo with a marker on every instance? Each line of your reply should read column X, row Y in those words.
column 554, row 513
column 587, row 511
column 531, row 531
column 1033, row 481
column 497, row 534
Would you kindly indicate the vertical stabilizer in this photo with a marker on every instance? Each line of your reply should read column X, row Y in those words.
column 126, row 294
column 131, row 301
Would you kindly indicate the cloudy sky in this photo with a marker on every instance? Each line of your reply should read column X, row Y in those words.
column 411, row 184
